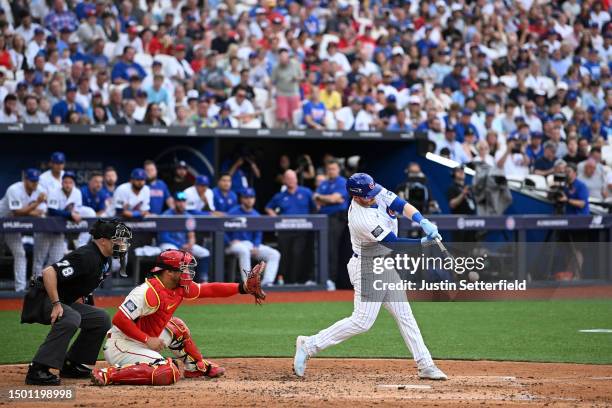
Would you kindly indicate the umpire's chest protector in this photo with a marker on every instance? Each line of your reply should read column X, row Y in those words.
column 164, row 301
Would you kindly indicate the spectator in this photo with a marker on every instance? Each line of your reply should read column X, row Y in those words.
column 346, row 116
column 125, row 68
column 89, row 31
column 573, row 154
column 243, row 111
column 127, row 118
column 9, row 114
column 314, row 112
column 132, row 199
column 60, row 18
column 460, row 197
column 157, row 94
column 593, row 175
column 248, row 244
column 92, row 194
column 243, row 169
column 245, row 85
column 224, row 198
column 330, row 97
column 59, row 112
column 454, row 148
column 535, row 150
column 159, row 194
column 513, row 160
column 200, row 198
column 484, row 154
column 576, row 194
column 367, row 119
column 332, row 199
column 286, row 77
column 464, row 125
column 32, row 114
column 293, row 200
column 153, row 116
column 52, row 179
column 545, row 164
column 401, row 125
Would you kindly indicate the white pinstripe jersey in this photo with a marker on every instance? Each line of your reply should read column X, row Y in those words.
column 16, row 198
column 57, row 200
column 370, row 225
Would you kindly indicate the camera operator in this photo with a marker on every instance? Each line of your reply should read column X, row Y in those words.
column 416, row 189
column 461, row 201
column 576, row 194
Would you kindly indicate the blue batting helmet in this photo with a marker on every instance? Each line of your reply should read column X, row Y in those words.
column 362, row 185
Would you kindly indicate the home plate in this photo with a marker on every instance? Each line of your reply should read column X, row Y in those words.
column 403, row 387
column 595, row 331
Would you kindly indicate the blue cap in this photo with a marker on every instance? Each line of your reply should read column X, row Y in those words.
column 69, row 174
column 38, row 31
column 253, row 54
column 467, row 112
column 537, row 135
column 71, row 88
column 58, row 157
column 180, row 196
column 141, row 92
column 391, row 98
column 32, row 174
column 22, row 84
column 559, row 116
column 248, row 192
column 202, row 180
column 138, row 174
column 368, row 100
column 572, row 95
column 513, row 136
column 362, row 185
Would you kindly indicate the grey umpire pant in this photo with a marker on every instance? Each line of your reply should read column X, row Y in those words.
column 93, row 322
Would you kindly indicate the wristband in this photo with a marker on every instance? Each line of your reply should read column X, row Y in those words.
column 417, row 217
column 55, row 303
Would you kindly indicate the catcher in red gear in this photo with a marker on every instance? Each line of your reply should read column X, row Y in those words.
column 144, row 325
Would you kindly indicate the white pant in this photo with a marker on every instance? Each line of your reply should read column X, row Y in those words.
column 20, row 262
column 49, row 247
column 365, row 314
column 196, row 250
column 242, row 249
column 121, row 351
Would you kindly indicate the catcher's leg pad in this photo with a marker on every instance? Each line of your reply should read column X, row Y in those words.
column 183, row 346
column 161, row 372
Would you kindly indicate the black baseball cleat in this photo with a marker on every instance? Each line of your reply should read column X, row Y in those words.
column 40, row 375
column 74, row 370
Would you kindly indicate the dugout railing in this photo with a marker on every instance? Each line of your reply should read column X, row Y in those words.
column 515, row 227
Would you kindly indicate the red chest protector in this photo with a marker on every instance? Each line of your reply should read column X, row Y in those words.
column 165, row 301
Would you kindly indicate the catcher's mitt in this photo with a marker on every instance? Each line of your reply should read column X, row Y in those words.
column 252, row 284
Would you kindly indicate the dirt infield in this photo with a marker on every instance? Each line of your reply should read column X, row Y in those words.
column 344, row 382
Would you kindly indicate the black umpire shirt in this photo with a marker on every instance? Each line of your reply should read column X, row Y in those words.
column 80, row 272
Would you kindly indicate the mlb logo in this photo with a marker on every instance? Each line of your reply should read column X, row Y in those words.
column 129, row 305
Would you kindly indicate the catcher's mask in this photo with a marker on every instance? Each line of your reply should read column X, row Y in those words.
column 177, row 260
column 118, row 233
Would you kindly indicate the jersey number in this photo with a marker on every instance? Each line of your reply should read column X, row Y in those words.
column 66, row 270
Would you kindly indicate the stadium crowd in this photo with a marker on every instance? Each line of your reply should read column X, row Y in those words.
column 518, row 84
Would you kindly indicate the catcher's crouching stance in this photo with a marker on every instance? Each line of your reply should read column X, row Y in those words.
column 144, row 325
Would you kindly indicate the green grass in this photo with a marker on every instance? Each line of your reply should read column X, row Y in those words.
column 520, row 330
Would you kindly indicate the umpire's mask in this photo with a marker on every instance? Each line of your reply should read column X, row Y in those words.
column 119, row 234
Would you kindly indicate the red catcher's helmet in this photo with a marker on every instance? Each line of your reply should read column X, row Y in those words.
column 177, row 260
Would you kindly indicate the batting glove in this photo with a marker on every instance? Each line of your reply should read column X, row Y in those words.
column 430, row 229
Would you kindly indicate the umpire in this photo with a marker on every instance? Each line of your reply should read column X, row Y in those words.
column 53, row 298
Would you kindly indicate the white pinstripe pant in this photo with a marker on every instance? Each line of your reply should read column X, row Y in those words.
column 49, row 247
column 365, row 314
column 20, row 262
